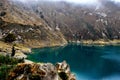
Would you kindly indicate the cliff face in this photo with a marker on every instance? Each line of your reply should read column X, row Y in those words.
column 54, row 23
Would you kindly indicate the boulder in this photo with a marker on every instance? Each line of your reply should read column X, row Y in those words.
column 41, row 71
column 64, row 71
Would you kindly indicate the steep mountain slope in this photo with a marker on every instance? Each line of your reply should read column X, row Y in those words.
column 47, row 23
column 30, row 30
column 80, row 22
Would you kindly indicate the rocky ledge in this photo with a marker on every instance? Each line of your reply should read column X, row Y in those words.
column 41, row 71
column 20, row 50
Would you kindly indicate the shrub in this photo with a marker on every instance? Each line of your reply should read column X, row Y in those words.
column 6, row 64
column 4, row 70
column 10, row 38
column 10, row 61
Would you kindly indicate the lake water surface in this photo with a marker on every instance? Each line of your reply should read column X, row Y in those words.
column 87, row 62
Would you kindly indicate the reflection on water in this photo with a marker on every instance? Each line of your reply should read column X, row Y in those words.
column 88, row 62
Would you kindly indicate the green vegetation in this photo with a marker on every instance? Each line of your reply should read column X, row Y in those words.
column 6, row 64
column 4, row 70
column 9, row 61
column 10, row 38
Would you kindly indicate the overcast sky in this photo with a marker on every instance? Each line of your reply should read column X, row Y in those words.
column 75, row 1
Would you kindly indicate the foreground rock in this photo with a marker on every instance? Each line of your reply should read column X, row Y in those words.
column 47, row 71
column 64, row 71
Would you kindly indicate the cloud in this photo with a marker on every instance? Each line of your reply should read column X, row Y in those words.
column 25, row 1
column 72, row 1
column 116, row 0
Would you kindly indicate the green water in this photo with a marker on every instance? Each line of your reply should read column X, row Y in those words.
column 87, row 62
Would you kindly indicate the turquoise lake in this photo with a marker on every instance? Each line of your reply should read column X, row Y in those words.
column 87, row 62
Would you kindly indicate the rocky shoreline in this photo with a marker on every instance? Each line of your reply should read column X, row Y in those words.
column 23, row 49
column 97, row 42
column 34, row 71
column 21, row 69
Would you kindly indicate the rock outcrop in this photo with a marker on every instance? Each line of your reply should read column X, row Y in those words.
column 41, row 71
column 64, row 71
